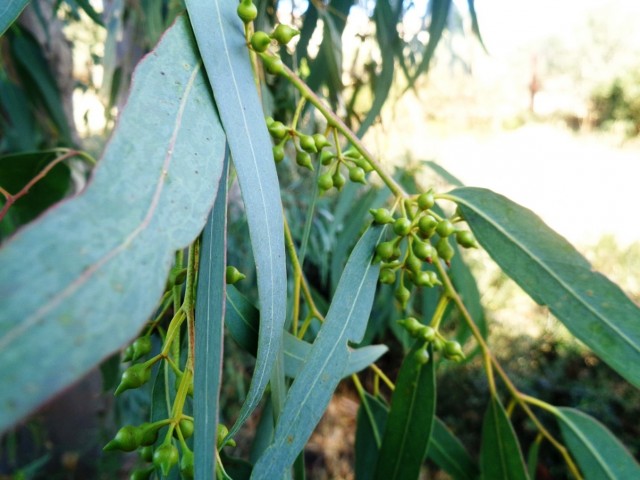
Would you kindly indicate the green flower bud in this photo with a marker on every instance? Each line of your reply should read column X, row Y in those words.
column 307, row 143
column 278, row 152
column 149, row 432
column 127, row 439
column 384, row 250
column 222, row 434
column 165, row 457
column 352, row 152
column 284, row 33
column 381, row 216
column 411, row 325
column 356, row 174
column 133, row 377
column 273, row 64
column 186, row 465
column 403, row 294
column 445, row 228
column 402, row 226
column 445, row 251
column 466, row 239
column 426, row 333
column 233, row 275
column 146, row 453
column 260, row 41
column 141, row 473
column 326, row 157
column 438, row 344
column 186, row 427
column 413, row 263
column 387, row 276
column 421, row 356
column 247, row 11
column 424, row 250
column 427, row 225
column 268, row 121
column 338, row 180
column 278, row 130
column 141, row 347
column 304, row 160
column 423, row 279
column 453, row 351
column 321, row 141
column 426, row 201
column 128, row 354
column 325, row 182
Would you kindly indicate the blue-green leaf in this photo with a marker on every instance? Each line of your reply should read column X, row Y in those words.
column 9, row 11
column 598, row 453
column 242, row 322
column 83, row 279
column 209, row 324
column 410, row 423
column 553, row 273
column 500, row 455
column 449, row 454
column 220, row 36
column 313, row 387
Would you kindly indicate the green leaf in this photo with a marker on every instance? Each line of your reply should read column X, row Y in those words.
column 500, row 455
column 370, row 424
column 439, row 10
column 83, row 279
column 598, row 453
column 553, row 273
column 35, row 73
column 313, row 387
column 408, row 430
column 9, row 11
column 387, row 36
column 532, row 457
column 209, row 324
column 16, row 118
column 475, row 26
column 449, row 454
column 242, row 321
column 220, row 36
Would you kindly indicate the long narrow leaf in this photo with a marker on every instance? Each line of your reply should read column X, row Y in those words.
column 410, row 423
column 370, row 424
column 599, row 454
column 553, row 273
column 439, row 10
column 242, row 322
column 221, row 42
column 500, row 455
column 209, row 332
column 312, row 389
column 449, row 454
column 9, row 11
column 83, row 279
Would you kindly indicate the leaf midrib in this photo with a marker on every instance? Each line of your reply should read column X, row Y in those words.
column 562, row 283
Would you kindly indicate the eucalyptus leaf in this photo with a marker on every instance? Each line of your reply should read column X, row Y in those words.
column 448, row 453
column 599, row 454
column 9, row 11
column 553, row 273
column 242, row 320
column 411, row 416
column 500, row 455
column 209, row 325
column 370, row 424
column 83, row 279
column 312, row 389
column 221, row 41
